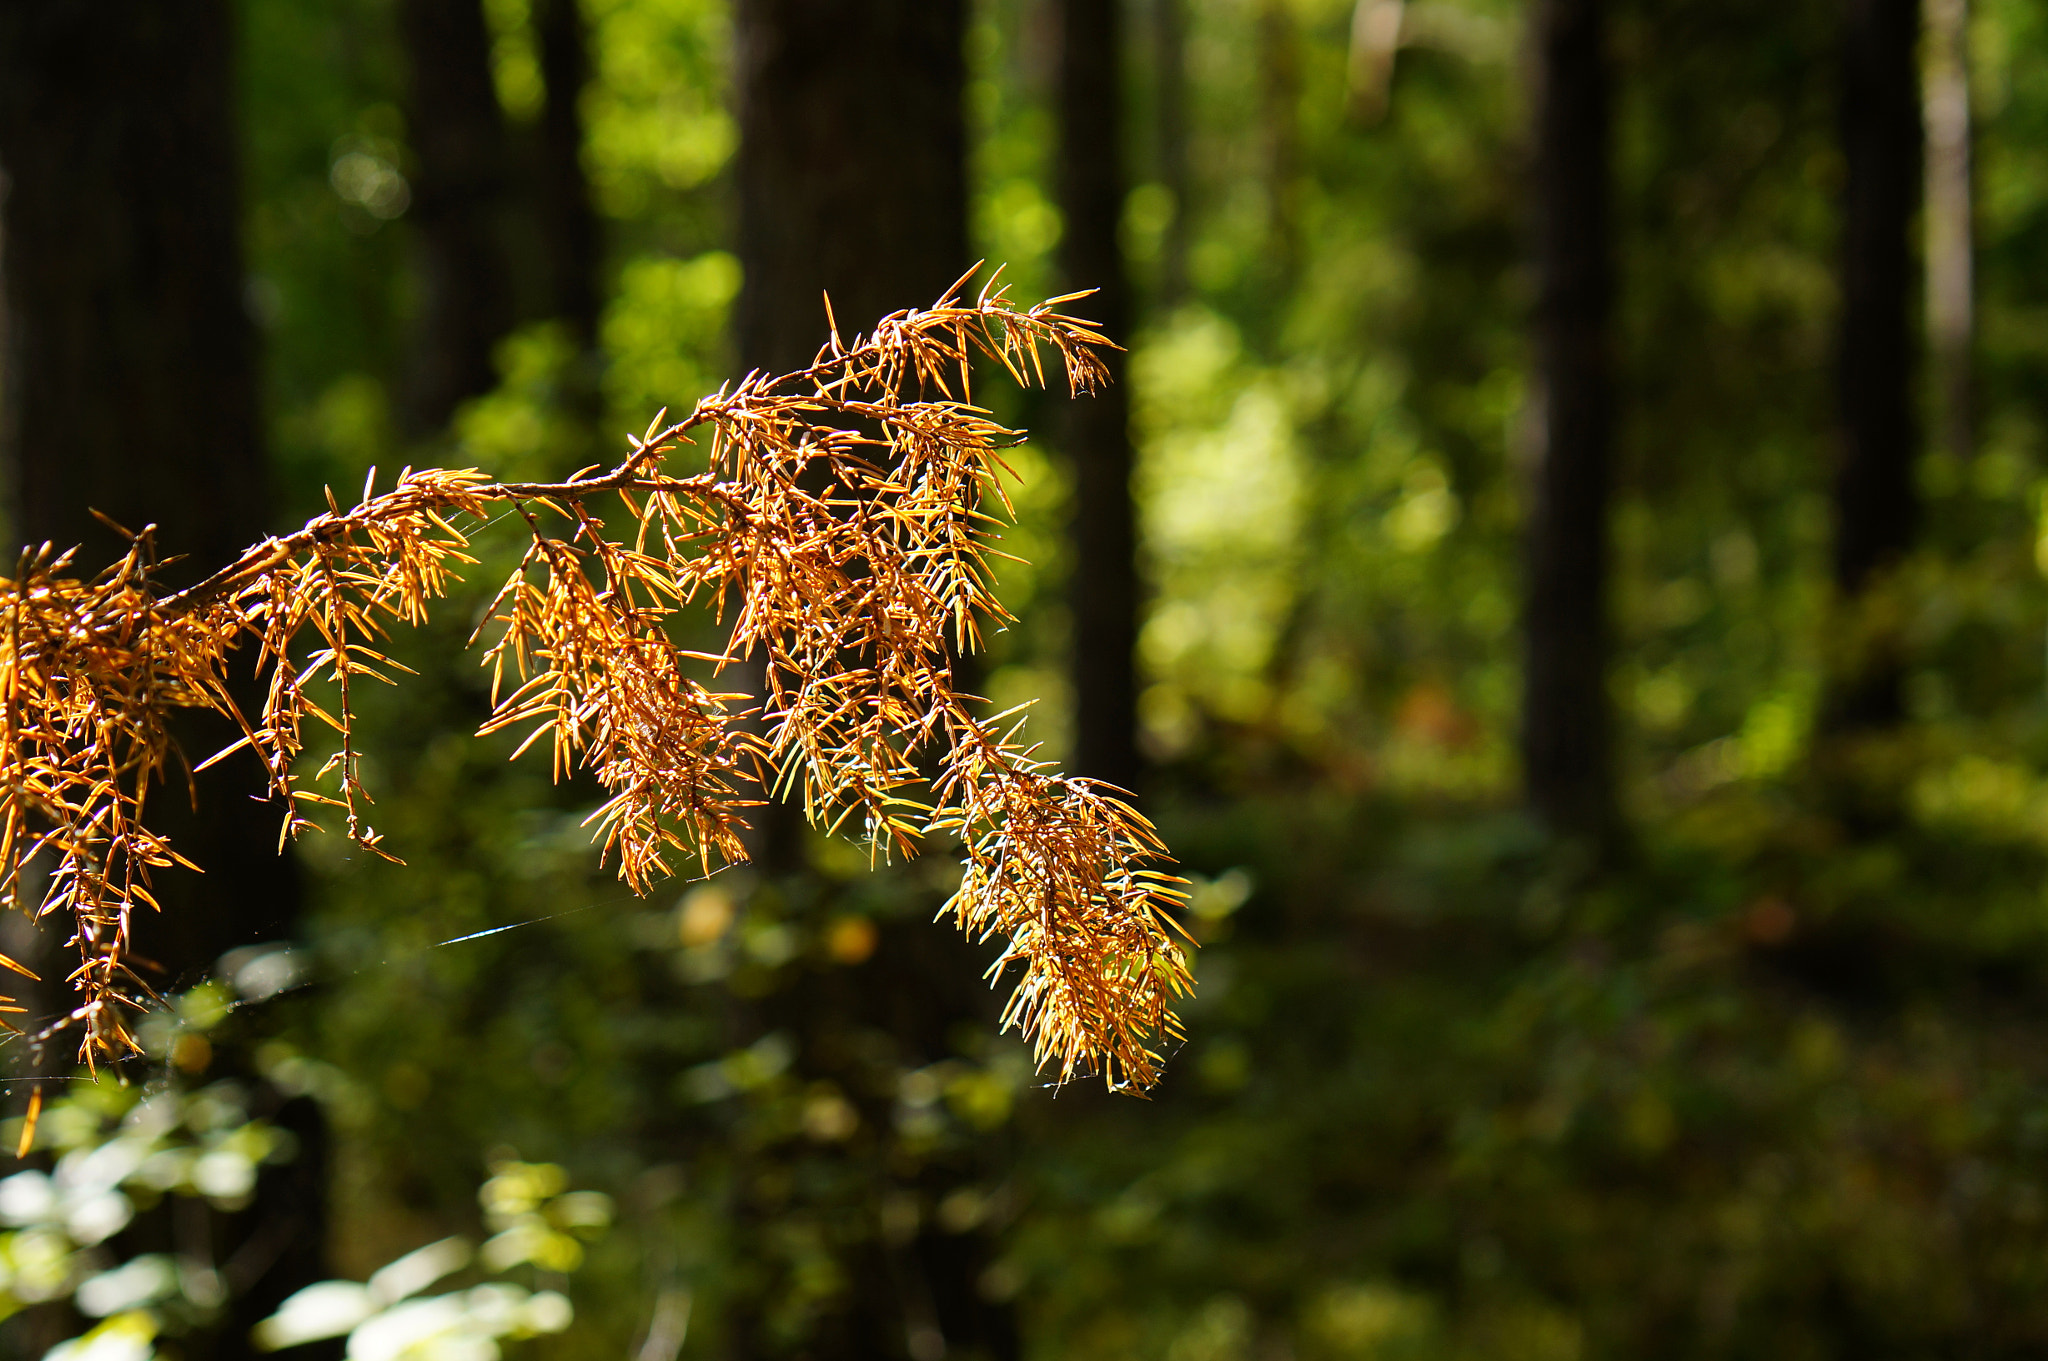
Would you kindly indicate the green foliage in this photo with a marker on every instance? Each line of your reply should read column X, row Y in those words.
column 115, row 1151
column 535, row 1221
column 118, row 1152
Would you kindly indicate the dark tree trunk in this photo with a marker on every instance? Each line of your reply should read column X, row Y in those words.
column 460, row 192
column 131, row 388
column 1877, row 510
column 132, row 385
column 131, row 364
column 1279, row 100
column 914, row 1290
column 852, row 177
column 1566, row 717
column 568, row 222
column 1096, row 432
column 1170, row 62
column 852, row 166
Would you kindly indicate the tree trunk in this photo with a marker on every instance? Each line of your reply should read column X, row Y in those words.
column 1951, row 287
column 131, row 388
column 1170, row 62
column 852, row 166
column 1566, row 715
column 1375, row 43
column 568, row 223
column 132, row 383
column 1279, row 115
column 458, row 209
column 852, row 177
column 131, row 364
column 1096, row 432
column 1877, row 510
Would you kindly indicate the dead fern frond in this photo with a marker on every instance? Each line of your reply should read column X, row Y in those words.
column 841, row 523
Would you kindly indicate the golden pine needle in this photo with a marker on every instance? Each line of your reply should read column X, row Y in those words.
column 839, row 525
column 28, row 1125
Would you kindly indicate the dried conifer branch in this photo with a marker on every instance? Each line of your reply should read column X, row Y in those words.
column 840, row 523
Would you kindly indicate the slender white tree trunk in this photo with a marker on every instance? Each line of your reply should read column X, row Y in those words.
column 1951, row 285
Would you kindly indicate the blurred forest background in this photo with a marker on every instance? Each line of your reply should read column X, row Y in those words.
column 1564, row 568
